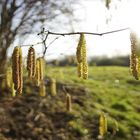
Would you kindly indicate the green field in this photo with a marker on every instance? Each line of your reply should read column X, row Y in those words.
column 111, row 90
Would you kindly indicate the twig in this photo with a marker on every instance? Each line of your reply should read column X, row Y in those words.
column 63, row 34
column 26, row 45
column 50, row 45
column 114, row 31
column 90, row 33
column 45, row 46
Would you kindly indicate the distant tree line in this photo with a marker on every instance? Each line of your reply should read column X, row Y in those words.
column 113, row 61
column 94, row 61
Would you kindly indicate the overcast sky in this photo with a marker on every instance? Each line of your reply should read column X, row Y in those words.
column 95, row 14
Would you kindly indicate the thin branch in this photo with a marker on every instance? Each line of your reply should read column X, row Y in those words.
column 49, row 45
column 114, row 31
column 71, row 33
column 26, row 45
column 44, row 42
column 63, row 34
column 90, row 33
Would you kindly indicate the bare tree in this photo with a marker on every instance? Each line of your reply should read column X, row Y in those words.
column 20, row 17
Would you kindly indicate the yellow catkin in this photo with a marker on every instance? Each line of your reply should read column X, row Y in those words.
column 81, row 54
column 68, row 102
column 17, row 70
column 138, row 66
column 53, row 87
column 37, row 75
column 102, row 125
column 85, row 70
column 31, row 62
column 41, row 63
column 107, row 2
column 84, row 57
column 138, row 56
column 80, row 69
column 133, row 57
column 42, row 89
column 13, row 91
column 9, row 82
column 8, row 78
column 20, row 72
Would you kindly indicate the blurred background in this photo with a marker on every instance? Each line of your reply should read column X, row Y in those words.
column 64, row 106
column 71, row 16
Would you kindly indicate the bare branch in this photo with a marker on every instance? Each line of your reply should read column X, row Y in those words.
column 90, row 33
column 46, row 47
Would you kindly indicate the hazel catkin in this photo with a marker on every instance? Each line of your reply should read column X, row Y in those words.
column 41, row 63
column 42, row 89
column 85, row 70
column 68, row 102
column 8, row 77
column 53, row 86
column 80, row 69
column 31, row 62
column 17, row 70
column 133, row 57
column 81, row 54
column 39, row 76
column 102, row 124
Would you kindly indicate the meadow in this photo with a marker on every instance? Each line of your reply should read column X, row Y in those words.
column 111, row 90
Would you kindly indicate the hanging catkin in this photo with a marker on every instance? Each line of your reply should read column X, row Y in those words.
column 41, row 63
column 42, row 89
column 82, row 58
column 80, row 69
column 13, row 90
column 138, row 56
column 107, row 3
column 102, row 125
column 85, row 70
column 53, row 86
column 39, row 76
column 8, row 78
column 84, row 54
column 138, row 66
column 133, row 57
column 68, row 102
column 31, row 62
column 17, row 70
column 79, row 51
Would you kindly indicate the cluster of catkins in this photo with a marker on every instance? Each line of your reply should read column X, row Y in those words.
column 135, row 55
column 82, row 65
column 35, row 68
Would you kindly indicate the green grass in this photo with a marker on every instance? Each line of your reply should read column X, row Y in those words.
column 110, row 89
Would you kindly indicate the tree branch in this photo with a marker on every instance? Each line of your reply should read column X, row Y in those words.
column 90, row 33
column 63, row 34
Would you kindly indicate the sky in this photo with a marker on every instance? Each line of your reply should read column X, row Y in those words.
column 94, row 15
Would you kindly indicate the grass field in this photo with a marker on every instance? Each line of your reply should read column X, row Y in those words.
column 109, row 89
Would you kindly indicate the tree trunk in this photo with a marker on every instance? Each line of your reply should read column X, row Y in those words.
column 2, row 68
